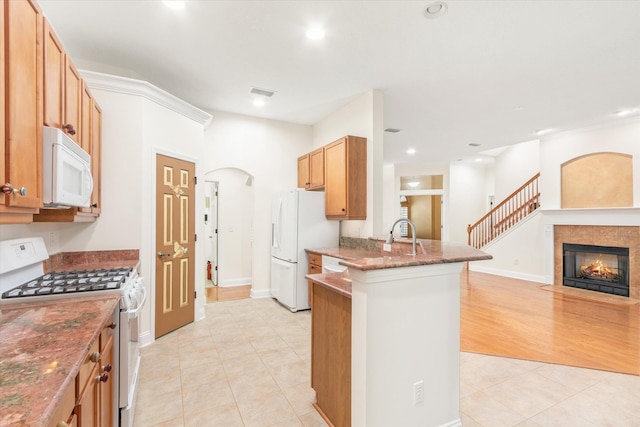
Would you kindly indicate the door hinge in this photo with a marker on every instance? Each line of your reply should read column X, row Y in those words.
column 195, row 237
column 216, row 231
column 216, row 268
column 195, row 180
column 195, row 294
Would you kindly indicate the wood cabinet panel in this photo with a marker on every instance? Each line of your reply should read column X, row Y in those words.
column 72, row 102
column 23, row 57
column 96, row 157
column 346, row 178
column 303, row 172
column 54, row 63
column 85, row 117
column 315, row 267
column 316, row 169
column 331, row 355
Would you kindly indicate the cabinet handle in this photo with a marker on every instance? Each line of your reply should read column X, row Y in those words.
column 7, row 188
column 95, row 357
column 62, row 424
column 112, row 326
column 343, row 209
column 107, row 368
column 69, row 129
column 103, row 378
column 94, row 205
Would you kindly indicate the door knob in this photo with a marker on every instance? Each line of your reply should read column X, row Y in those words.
column 161, row 254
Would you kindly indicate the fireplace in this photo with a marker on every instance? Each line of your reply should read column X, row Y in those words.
column 596, row 268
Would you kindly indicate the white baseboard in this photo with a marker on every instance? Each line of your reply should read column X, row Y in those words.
column 454, row 423
column 146, row 338
column 507, row 273
column 242, row 281
column 262, row 293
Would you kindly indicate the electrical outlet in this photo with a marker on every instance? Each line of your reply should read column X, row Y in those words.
column 418, row 393
column 386, row 247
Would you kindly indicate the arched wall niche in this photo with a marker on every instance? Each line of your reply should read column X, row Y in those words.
column 597, row 180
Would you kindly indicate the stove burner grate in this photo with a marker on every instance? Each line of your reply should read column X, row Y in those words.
column 76, row 281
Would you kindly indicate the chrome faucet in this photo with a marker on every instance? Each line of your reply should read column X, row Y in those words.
column 413, row 233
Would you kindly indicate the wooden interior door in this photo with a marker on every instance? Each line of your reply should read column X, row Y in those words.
column 175, row 244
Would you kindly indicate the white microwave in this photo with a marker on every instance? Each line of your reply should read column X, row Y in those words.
column 66, row 171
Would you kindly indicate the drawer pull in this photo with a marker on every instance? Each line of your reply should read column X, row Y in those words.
column 95, row 357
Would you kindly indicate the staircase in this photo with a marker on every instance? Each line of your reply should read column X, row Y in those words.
column 506, row 214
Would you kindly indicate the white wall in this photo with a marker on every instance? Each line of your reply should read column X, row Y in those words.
column 134, row 128
column 360, row 117
column 467, row 199
column 515, row 166
column 268, row 150
column 622, row 136
column 235, row 225
column 518, row 253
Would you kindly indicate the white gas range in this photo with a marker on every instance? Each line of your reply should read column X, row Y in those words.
column 22, row 279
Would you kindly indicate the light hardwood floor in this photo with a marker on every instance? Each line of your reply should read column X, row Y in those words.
column 216, row 293
column 519, row 319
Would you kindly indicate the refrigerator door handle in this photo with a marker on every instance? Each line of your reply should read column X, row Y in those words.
column 276, row 240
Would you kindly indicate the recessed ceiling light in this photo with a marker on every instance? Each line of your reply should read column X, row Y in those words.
column 174, row 4
column 413, row 184
column 541, row 132
column 474, row 144
column 478, row 159
column 435, row 10
column 411, row 151
column 258, row 102
column 315, row 33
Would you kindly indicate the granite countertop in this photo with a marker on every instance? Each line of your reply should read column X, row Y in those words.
column 337, row 282
column 42, row 348
column 371, row 256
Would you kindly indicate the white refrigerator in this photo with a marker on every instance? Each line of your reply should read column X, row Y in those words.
column 298, row 222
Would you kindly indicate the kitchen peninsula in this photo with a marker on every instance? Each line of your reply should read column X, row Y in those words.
column 386, row 334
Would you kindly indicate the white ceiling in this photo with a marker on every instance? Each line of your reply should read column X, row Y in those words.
column 486, row 72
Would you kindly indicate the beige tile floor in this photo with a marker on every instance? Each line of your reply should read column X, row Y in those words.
column 248, row 363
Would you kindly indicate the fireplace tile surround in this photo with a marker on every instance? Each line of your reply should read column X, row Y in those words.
column 618, row 227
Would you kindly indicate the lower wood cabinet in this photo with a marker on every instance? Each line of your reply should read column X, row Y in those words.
column 331, row 355
column 315, row 267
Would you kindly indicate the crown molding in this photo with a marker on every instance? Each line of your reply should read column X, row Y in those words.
column 146, row 90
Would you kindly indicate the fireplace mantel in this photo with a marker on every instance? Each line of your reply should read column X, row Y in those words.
column 592, row 216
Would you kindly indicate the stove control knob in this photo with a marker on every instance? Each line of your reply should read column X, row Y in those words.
column 95, row 357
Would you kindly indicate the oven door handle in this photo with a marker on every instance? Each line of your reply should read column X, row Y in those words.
column 132, row 314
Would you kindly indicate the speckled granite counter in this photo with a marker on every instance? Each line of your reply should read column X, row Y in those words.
column 429, row 252
column 337, row 282
column 42, row 347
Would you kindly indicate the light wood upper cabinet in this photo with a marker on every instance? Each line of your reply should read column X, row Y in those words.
column 72, row 102
column 311, row 170
column 22, row 111
column 303, row 171
column 316, row 169
column 96, row 157
column 346, row 178
column 54, row 63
